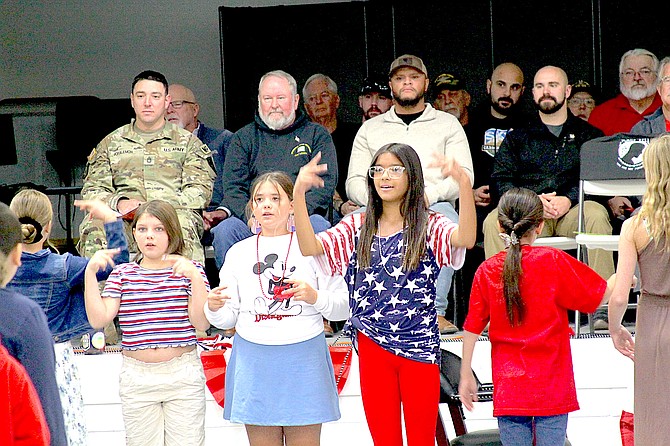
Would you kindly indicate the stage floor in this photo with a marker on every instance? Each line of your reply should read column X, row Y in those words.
column 604, row 381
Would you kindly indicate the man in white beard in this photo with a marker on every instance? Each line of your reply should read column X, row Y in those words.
column 638, row 98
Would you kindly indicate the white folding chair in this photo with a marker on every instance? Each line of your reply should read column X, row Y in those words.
column 609, row 166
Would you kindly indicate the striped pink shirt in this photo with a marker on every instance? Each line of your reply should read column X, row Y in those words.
column 154, row 306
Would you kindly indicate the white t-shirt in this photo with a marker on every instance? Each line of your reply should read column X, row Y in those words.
column 254, row 267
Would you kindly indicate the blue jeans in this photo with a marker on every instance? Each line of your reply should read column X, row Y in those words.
column 518, row 431
column 443, row 282
column 232, row 230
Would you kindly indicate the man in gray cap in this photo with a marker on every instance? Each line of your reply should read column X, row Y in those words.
column 413, row 121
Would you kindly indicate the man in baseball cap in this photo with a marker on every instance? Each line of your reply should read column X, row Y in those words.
column 413, row 121
column 375, row 97
column 451, row 96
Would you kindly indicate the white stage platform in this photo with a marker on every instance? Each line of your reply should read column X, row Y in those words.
column 604, row 380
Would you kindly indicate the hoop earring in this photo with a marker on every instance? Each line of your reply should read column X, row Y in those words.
column 290, row 223
column 255, row 226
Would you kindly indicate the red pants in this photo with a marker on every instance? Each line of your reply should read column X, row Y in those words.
column 387, row 381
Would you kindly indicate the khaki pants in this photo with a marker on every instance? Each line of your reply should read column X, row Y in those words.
column 163, row 404
column 596, row 221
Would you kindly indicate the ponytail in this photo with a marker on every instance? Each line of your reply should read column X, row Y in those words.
column 519, row 212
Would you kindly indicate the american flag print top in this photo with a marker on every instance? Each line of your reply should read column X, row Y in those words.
column 393, row 307
column 154, row 306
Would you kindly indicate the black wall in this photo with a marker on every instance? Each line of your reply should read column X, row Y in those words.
column 349, row 41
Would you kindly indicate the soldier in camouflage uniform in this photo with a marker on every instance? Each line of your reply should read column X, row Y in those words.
column 149, row 159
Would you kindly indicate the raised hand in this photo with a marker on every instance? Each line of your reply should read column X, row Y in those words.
column 181, row 266
column 310, row 175
column 448, row 166
column 98, row 209
column 101, row 259
column 217, row 298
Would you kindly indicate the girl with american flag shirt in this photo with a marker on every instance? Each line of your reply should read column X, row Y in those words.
column 390, row 257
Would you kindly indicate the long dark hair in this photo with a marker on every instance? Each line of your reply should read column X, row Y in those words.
column 413, row 209
column 519, row 212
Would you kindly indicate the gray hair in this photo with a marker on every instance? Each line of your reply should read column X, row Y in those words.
column 332, row 86
column 639, row 52
column 284, row 75
column 661, row 66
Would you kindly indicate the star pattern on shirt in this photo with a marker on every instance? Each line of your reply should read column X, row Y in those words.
column 394, row 307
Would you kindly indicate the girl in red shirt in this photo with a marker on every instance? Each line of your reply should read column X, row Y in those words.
column 524, row 293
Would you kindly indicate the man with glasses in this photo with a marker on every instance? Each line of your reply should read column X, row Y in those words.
column 184, row 111
column 659, row 121
column 582, row 100
column 149, row 159
column 321, row 104
column 638, row 97
column 413, row 121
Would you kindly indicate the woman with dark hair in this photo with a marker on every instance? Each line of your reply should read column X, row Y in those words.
column 390, row 257
column 524, row 293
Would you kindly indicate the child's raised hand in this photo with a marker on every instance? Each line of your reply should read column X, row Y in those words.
column 301, row 291
column 448, row 166
column 217, row 298
column 98, row 209
column 181, row 266
column 310, row 174
column 101, row 259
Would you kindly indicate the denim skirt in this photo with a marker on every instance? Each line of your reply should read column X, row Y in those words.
column 280, row 385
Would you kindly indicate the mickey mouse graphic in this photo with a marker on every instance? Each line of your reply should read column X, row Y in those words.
column 275, row 271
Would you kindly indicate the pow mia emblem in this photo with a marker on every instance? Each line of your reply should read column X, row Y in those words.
column 630, row 153
column 301, row 149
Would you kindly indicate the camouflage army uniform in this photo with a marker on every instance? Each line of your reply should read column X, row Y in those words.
column 171, row 164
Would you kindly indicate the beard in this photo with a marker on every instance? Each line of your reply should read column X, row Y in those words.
column 277, row 120
column 409, row 102
column 506, row 111
column 637, row 92
column 551, row 108
column 372, row 112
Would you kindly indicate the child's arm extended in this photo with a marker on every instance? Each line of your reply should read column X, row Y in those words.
column 116, row 238
column 308, row 178
column 467, row 388
column 100, row 311
column 466, row 233
column 182, row 266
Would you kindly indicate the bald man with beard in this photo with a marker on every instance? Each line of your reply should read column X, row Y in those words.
column 543, row 156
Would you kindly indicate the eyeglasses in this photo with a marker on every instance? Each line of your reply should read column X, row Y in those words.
column 314, row 98
column 179, row 104
column 579, row 101
column 394, row 172
column 644, row 72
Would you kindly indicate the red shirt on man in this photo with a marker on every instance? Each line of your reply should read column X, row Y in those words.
column 617, row 115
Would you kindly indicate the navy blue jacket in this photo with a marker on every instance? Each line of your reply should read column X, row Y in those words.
column 256, row 149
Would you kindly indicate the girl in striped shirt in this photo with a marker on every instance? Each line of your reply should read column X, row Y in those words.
column 159, row 299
